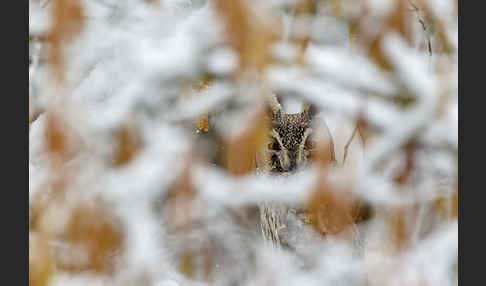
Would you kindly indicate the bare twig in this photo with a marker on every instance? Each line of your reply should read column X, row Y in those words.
column 424, row 27
column 43, row 5
column 349, row 142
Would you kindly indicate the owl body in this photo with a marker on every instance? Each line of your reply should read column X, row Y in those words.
column 291, row 145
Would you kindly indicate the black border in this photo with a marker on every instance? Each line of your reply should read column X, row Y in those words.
column 471, row 143
column 14, row 214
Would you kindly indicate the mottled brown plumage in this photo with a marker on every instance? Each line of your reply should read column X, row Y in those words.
column 290, row 148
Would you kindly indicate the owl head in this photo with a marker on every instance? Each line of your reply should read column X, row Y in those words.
column 294, row 138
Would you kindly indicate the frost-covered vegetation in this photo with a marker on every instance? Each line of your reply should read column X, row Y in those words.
column 145, row 118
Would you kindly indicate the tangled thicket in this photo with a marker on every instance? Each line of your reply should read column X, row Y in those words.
column 145, row 117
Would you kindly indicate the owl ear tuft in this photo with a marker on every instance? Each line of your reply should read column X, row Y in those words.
column 309, row 110
column 275, row 109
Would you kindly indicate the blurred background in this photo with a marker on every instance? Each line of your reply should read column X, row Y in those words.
column 145, row 118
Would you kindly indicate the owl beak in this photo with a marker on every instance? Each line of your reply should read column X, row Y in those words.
column 293, row 161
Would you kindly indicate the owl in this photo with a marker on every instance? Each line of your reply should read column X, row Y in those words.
column 291, row 147
column 293, row 140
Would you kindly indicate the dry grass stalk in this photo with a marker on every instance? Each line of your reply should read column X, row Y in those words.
column 330, row 211
column 40, row 265
column 448, row 207
column 241, row 151
column 63, row 144
column 67, row 21
column 402, row 178
column 128, row 144
column 249, row 34
column 398, row 21
column 304, row 8
column 179, row 209
column 92, row 230
column 182, row 216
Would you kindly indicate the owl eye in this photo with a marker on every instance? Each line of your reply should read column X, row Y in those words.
column 274, row 146
column 310, row 144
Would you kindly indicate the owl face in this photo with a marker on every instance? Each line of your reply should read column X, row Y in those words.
column 294, row 140
column 291, row 142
